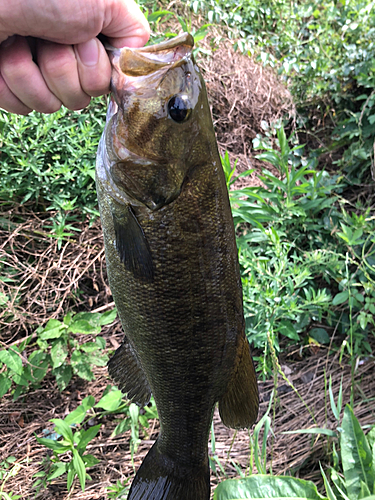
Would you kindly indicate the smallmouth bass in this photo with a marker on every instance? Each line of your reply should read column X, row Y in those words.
column 172, row 265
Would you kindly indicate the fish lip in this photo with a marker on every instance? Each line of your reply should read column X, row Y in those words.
column 183, row 39
column 163, row 56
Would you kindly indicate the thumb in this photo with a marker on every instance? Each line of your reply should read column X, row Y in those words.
column 125, row 25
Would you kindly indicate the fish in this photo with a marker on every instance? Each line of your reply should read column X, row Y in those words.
column 172, row 264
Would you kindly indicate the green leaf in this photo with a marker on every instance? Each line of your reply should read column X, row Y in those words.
column 79, row 467
column 89, row 347
column 12, row 360
column 87, row 436
column 5, row 383
column 84, row 326
column 59, row 353
column 340, row 298
column 63, row 376
column 313, row 430
column 264, row 486
column 320, row 335
column 64, row 429
column 108, row 317
column 53, row 330
column 155, row 16
column 77, row 416
column 123, row 426
column 71, row 474
column 287, row 329
column 111, row 401
column 89, row 460
column 356, row 456
column 59, row 469
column 330, row 493
column 54, row 445
column 37, row 368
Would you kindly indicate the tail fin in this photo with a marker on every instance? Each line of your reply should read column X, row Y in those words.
column 161, row 478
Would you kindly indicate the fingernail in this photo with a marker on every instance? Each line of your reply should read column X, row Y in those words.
column 8, row 42
column 88, row 52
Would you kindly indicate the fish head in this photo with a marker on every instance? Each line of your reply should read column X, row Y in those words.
column 160, row 124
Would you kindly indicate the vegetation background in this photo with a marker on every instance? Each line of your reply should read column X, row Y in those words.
column 292, row 89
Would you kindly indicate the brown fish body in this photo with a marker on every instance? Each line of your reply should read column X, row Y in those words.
column 173, row 270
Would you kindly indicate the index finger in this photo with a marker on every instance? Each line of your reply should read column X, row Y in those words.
column 125, row 25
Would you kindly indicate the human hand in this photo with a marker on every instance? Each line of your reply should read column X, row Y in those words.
column 49, row 53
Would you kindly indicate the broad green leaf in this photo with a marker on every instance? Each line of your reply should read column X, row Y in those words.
column 63, row 376
column 79, row 467
column 64, row 429
column 38, row 366
column 264, row 486
column 12, row 360
column 89, row 347
column 84, row 326
column 320, row 335
column 88, row 402
column 356, row 456
column 53, row 330
column 5, row 383
column 111, row 401
column 340, row 298
column 87, row 436
column 89, row 460
column 59, row 353
column 108, row 317
column 60, row 469
column 77, row 416
column 97, row 359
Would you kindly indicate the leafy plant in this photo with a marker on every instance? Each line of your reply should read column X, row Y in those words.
column 299, row 270
column 72, row 443
column 58, row 348
column 357, row 451
column 8, row 468
column 118, row 490
column 65, row 440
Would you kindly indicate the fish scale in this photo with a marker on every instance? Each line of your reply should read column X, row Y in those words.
column 172, row 266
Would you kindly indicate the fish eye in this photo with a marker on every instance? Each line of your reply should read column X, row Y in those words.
column 179, row 108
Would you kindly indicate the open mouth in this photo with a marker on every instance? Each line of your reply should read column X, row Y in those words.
column 143, row 61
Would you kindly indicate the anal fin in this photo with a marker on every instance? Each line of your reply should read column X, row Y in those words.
column 127, row 372
column 239, row 405
column 131, row 243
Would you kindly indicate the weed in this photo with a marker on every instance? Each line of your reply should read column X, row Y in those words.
column 71, row 436
column 58, row 348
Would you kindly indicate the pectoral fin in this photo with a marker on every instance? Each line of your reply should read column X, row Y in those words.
column 127, row 372
column 131, row 244
column 238, row 407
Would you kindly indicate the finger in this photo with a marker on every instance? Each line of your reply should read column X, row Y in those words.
column 59, row 68
column 23, row 77
column 126, row 25
column 9, row 101
column 94, row 68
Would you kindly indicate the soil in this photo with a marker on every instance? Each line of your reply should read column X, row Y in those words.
column 47, row 281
